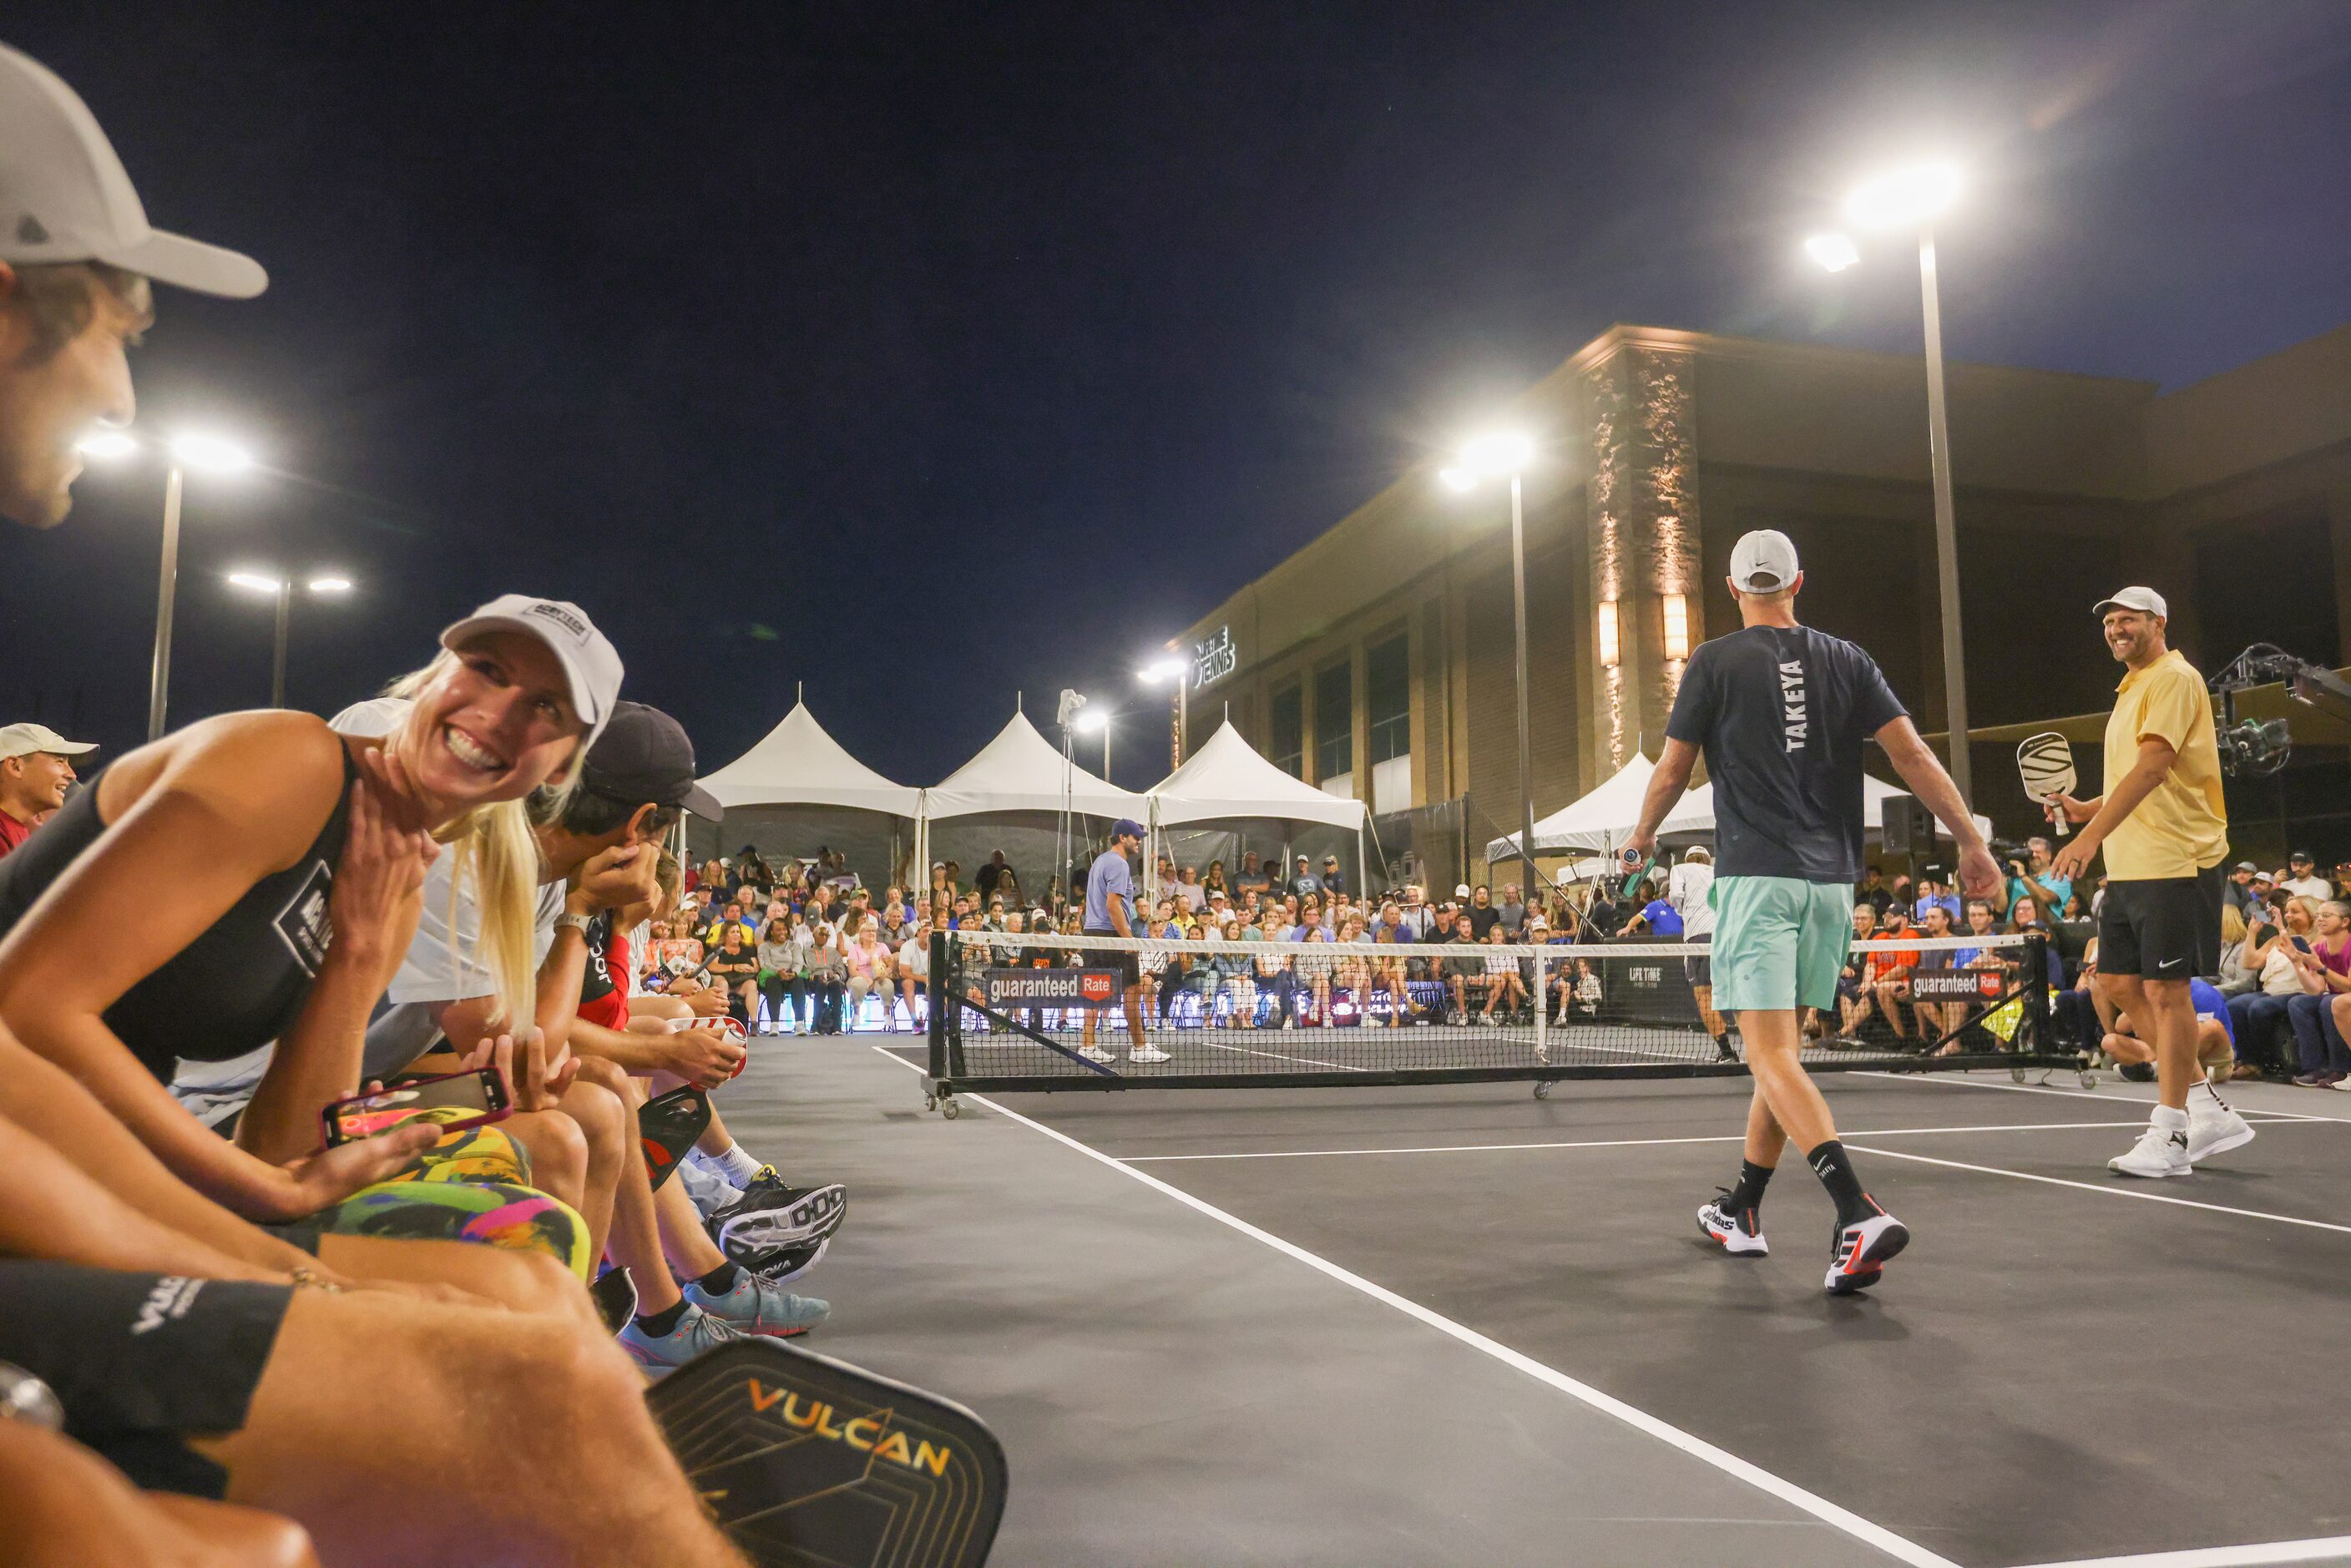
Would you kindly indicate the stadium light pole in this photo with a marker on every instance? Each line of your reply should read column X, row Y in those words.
column 1913, row 198
column 1490, row 458
column 207, row 453
column 325, row 586
column 1176, row 670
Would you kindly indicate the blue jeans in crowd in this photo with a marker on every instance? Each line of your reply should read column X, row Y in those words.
column 2317, row 1037
column 2253, row 1018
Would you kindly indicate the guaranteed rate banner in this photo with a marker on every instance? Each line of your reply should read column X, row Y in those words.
column 1052, row 987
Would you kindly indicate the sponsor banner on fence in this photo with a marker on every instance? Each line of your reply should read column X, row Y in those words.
column 1053, row 987
column 1955, row 986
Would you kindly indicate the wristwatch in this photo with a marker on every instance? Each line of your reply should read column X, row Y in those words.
column 579, row 923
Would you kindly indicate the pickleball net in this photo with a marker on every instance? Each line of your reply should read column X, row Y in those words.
column 1009, row 1011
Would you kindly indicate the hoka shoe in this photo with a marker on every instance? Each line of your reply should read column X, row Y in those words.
column 1733, row 1230
column 760, row 1306
column 696, row 1331
column 768, row 1217
column 1858, row 1252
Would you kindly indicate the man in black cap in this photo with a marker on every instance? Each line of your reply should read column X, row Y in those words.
column 2302, row 878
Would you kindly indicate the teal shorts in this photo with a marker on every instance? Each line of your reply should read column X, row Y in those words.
column 1779, row 942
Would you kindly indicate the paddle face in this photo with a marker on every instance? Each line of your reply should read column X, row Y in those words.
column 2045, row 763
column 808, row 1462
column 668, row 1126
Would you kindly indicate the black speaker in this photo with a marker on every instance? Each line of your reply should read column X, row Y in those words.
column 1908, row 826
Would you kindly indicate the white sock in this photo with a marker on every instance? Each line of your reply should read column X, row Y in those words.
column 2170, row 1120
column 736, row 1166
column 2211, row 1100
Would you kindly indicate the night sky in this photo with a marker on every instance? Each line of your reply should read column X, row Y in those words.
column 929, row 353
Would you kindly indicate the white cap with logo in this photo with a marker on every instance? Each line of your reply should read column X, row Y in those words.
column 37, row 739
column 64, row 196
column 590, row 661
column 1763, row 561
column 2146, row 601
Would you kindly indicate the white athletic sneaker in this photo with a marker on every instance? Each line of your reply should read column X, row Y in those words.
column 1736, row 1233
column 1095, row 1054
column 2159, row 1152
column 1146, row 1053
column 2215, row 1130
column 1859, row 1251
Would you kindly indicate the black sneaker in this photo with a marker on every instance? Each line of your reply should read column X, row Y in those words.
column 770, row 1219
column 2137, row 1071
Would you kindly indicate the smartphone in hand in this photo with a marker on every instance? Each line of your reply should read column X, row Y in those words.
column 481, row 1093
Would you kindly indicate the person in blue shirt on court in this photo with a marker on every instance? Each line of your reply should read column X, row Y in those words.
column 1781, row 712
column 1110, row 904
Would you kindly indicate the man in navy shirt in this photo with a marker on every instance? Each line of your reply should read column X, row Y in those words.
column 1110, row 895
column 1781, row 712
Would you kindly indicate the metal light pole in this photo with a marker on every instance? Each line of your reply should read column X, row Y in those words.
column 1912, row 198
column 1177, row 671
column 277, row 652
column 159, row 678
column 1496, row 455
column 281, row 588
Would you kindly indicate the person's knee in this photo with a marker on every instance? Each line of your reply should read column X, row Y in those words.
column 558, row 1151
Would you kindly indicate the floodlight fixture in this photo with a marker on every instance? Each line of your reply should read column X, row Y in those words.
column 1834, row 252
column 1908, row 197
column 211, row 454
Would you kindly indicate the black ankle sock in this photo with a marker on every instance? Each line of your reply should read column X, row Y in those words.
column 1834, row 1167
column 664, row 1322
column 719, row 1280
column 1749, row 1193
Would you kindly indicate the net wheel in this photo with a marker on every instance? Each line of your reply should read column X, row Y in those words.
column 2017, row 1073
column 930, row 1101
column 2089, row 1080
column 1542, row 1089
column 950, row 1110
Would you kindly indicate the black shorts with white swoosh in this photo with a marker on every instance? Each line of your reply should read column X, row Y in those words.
column 2161, row 928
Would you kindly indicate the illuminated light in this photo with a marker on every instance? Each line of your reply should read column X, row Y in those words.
column 1677, row 626
column 105, row 445
column 210, row 453
column 1089, row 720
column 1458, row 479
column 1610, row 652
column 1834, row 252
column 256, row 582
column 1903, row 198
column 1502, row 452
column 329, row 585
column 1167, row 669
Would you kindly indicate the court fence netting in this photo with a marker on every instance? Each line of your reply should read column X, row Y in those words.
column 1220, row 1014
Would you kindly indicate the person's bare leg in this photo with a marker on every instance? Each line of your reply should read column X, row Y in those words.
column 534, row 1442
column 64, row 1504
column 524, row 1281
column 2173, row 1014
column 558, row 1153
column 1133, row 1015
column 635, row 1244
column 684, row 1241
column 591, row 1103
column 1789, row 1095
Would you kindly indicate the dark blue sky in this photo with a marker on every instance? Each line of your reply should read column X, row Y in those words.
column 927, row 353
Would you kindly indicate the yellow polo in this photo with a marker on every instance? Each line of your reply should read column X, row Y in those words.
column 2183, row 825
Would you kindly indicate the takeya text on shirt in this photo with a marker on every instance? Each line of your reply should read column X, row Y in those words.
column 1793, row 704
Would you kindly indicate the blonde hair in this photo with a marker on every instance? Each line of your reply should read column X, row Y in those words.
column 497, row 855
column 2232, row 924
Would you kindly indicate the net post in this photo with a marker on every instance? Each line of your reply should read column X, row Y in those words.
column 2036, row 990
column 940, row 987
column 1542, row 1006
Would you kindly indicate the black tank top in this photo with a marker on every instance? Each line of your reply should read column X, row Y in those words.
column 240, row 983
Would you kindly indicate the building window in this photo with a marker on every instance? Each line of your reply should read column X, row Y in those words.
column 1387, row 693
column 1334, row 721
column 1285, row 724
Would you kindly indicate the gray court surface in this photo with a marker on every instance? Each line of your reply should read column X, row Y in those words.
column 1421, row 1325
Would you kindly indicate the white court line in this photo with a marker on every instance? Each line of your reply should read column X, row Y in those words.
column 1278, row 1056
column 1956, row 1080
column 2110, row 1189
column 1899, row 1547
column 1623, row 1142
column 2320, row 1549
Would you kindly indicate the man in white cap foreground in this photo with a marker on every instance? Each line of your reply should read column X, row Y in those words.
column 77, row 255
column 35, row 766
column 2165, row 830
column 1781, row 712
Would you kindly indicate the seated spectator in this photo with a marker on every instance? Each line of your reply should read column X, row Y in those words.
column 2301, row 878
column 779, row 978
column 36, row 767
column 1513, row 911
column 1273, row 972
column 1854, row 996
column 1351, row 975
column 1462, row 973
column 868, row 958
column 1506, row 987
column 1212, row 881
column 1253, row 878
column 914, row 972
column 2314, row 1016
column 828, row 976
column 2215, row 1044
column 1888, row 974
column 735, row 967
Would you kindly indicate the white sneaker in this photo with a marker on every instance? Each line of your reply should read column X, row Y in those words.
column 1146, row 1053
column 1095, row 1054
column 2215, row 1131
column 1858, row 1252
column 2159, row 1152
column 1734, row 1232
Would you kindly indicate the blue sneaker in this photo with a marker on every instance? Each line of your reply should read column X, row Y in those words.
column 760, row 1306
column 696, row 1331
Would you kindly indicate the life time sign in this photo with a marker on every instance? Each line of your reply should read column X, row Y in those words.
column 1214, row 658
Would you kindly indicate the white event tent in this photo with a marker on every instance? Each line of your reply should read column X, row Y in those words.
column 1021, row 783
column 798, row 788
column 1225, row 780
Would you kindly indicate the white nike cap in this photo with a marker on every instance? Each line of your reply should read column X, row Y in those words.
column 1763, row 561
column 2146, row 601
column 590, row 661
column 64, row 196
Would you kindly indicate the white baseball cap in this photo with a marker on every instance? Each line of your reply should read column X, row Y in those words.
column 36, row 739
column 1764, row 553
column 64, row 196
column 590, row 661
column 2147, row 601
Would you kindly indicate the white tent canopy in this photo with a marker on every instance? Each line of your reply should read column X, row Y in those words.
column 1226, row 777
column 798, row 764
column 1020, row 770
column 1606, row 817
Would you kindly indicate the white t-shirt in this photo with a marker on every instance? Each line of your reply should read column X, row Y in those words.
column 1687, row 886
column 2317, row 889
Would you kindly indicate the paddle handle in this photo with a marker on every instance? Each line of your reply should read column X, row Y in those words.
column 1635, row 869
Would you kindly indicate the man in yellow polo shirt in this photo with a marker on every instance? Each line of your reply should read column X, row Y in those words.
column 2165, row 831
